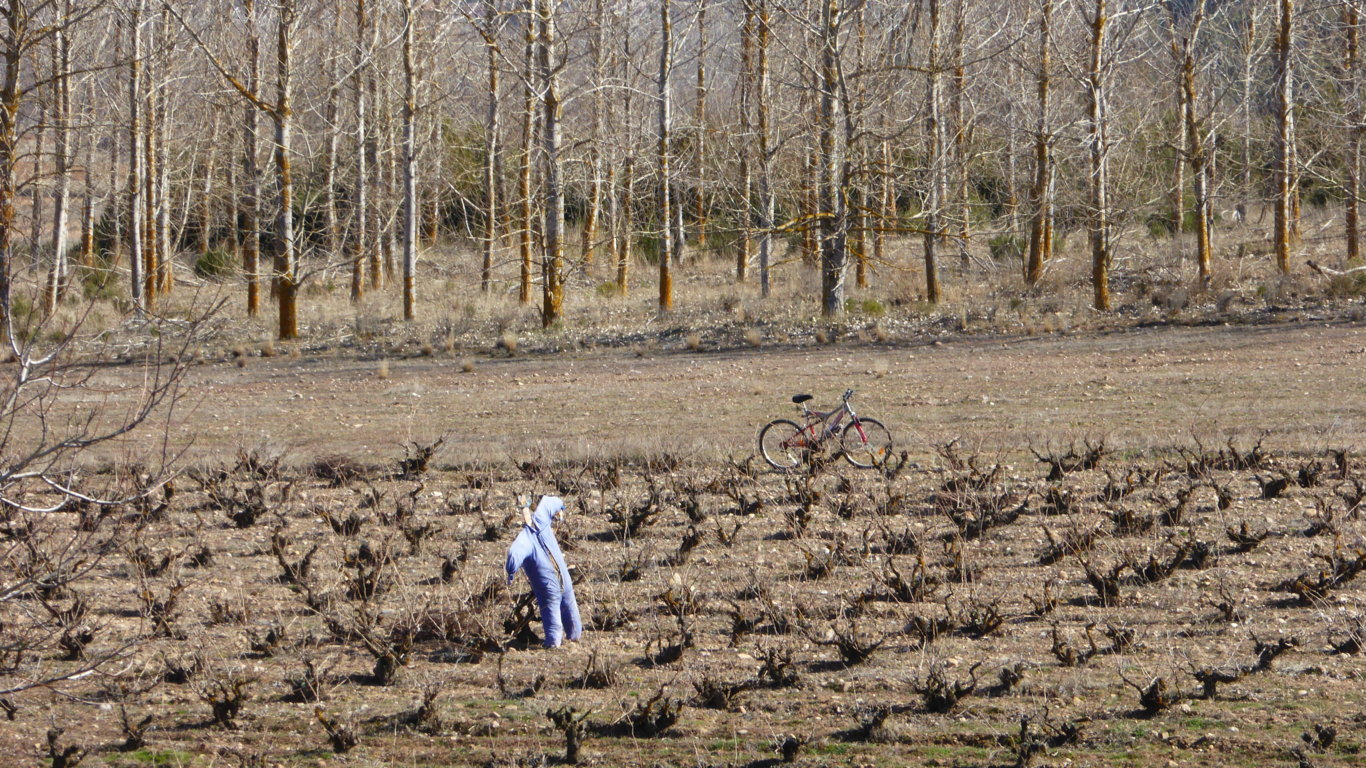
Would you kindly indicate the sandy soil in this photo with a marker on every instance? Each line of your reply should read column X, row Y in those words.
column 1304, row 384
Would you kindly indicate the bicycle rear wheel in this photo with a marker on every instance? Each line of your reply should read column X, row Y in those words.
column 782, row 444
column 870, row 447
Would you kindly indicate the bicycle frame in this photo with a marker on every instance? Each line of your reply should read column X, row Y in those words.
column 832, row 421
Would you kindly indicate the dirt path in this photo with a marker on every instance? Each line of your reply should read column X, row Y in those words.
column 1305, row 384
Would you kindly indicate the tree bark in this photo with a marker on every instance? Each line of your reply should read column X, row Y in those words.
column 934, row 150
column 767, row 198
column 492, row 140
column 57, row 274
column 593, row 200
column 700, row 118
column 1197, row 153
column 410, row 201
column 136, row 169
column 527, row 228
column 666, row 296
column 360, row 184
column 552, row 259
column 286, row 260
column 251, row 132
column 745, row 252
column 1351, row 20
column 1282, row 238
column 1099, row 233
column 962, row 130
column 834, row 222
column 1040, row 234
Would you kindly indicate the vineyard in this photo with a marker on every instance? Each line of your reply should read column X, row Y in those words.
column 1199, row 605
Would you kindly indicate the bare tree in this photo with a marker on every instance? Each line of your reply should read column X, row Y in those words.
column 832, row 121
column 1040, row 197
column 937, row 184
column 410, row 201
column 767, row 196
column 552, row 258
column 489, row 30
column 362, row 249
column 529, row 122
column 1351, row 64
column 61, row 86
column 663, row 139
column 1283, row 234
column 1098, row 140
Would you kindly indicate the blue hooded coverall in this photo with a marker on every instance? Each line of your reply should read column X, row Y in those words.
column 536, row 551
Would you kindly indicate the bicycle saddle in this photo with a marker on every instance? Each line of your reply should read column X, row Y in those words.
column 799, row 399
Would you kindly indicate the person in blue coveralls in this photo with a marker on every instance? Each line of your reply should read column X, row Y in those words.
column 536, row 551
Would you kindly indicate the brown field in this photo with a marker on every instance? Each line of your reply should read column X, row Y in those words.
column 938, row 572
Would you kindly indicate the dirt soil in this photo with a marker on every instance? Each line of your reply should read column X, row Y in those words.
column 1140, row 388
column 917, row 616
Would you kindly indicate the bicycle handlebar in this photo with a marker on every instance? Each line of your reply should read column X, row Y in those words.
column 848, row 393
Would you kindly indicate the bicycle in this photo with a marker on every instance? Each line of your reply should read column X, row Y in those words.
column 864, row 442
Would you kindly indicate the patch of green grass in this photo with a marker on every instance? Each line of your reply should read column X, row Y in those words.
column 158, row 757
column 1199, row 723
column 831, row 748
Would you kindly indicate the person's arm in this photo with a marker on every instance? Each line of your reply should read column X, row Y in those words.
column 524, row 502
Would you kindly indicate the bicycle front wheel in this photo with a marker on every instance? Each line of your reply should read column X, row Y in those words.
column 783, row 444
column 866, row 443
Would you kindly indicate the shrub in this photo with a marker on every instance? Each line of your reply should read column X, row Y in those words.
column 215, row 264
column 1006, row 247
column 871, row 307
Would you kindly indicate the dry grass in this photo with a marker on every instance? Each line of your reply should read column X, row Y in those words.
column 981, row 296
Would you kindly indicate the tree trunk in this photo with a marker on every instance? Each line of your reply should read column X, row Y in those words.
column 386, row 202
column 1099, row 234
column 286, row 260
column 859, row 192
column 87, row 258
column 745, row 251
column 150, row 195
column 165, row 249
column 136, row 169
column 410, row 202
column 700, row 118
column 251, row 132
column 492, row 129
column 9, row 147
column 552, row 259
column 1285, row 137
column 666, row 295
column 1351, row 20
column 1040, row 234
column 528, row 143
column 934, row 150
column 767, row 199
column 360, row 184
column 1196, row 151
column 593, row 200
column 627, row 225
column 834, row 223
column 962, row 130
column 205, row 239
column 1179, row 159
column 57, row 274
column 331, row 223
column 1249, row 62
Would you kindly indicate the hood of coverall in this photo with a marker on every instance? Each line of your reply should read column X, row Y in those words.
column 544, row 516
